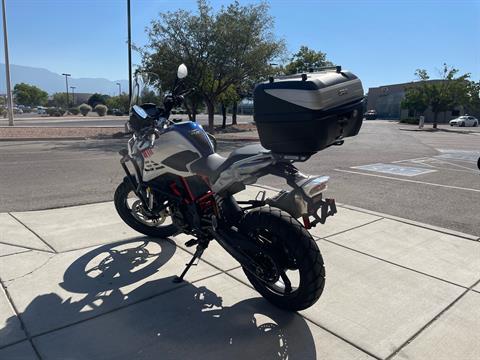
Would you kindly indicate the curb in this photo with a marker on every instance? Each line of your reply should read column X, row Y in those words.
column 236, row 139
column 45, row 139
column 62, row 127
column 69, row 138
column 438, row 130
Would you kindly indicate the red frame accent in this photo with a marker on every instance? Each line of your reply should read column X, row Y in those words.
column 189, row 191
column 306, row 222
column 174, row 189
column 204, row 201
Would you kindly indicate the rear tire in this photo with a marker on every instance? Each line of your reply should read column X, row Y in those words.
column 125, row 212
column 298, row 251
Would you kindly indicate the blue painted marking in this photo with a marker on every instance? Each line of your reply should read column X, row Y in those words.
column 394, row 169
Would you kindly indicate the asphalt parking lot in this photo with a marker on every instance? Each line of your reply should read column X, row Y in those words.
column 423, row 176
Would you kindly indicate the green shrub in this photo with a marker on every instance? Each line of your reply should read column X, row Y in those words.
column 74, row 111
column 410, row 120
column 55, row 111
column 101, row 110
column 84, row 109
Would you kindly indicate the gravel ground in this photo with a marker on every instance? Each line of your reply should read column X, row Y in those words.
column 56, row 132
column 231, row 132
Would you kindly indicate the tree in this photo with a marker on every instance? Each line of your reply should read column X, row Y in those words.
column 228, row 98
column 305, row 60
column 473, row 97
column 96, row 99
column 440, row 95
column 445, row 94
column 29, row 95
column 415, row 100
column 120, row 102
column 60, row 100
column 220, row 50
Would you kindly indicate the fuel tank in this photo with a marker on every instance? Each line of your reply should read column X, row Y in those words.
column 175, row 150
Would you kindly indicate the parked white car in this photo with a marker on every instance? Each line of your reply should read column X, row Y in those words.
column 465, row 120
column 41, row 110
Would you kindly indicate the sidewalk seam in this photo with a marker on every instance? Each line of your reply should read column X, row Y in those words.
column 390, row 262
column 314, row 322
column 25, row 247
column 412, row 223
column 429, row 323
column 33, row 232
column 353, row 228
column 107, row 312
column 110, row 311
column 16, row 253
column 22, row 325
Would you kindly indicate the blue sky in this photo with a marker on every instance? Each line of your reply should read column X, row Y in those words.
column 382, row 41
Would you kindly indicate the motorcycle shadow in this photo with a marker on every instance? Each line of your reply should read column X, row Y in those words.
column 159, row 319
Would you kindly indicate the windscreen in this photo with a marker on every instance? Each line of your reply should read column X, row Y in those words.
column 146, row 88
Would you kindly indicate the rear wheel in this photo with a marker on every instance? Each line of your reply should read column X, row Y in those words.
column 291, row 275
column 462, row 124
column 130, row 209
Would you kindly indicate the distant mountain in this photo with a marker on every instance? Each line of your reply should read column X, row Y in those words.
column 52, row 82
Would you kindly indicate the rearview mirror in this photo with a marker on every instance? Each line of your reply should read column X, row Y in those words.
column 182, row 71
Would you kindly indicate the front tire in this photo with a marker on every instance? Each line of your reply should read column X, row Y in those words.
column 296, row 255
column 121, row 200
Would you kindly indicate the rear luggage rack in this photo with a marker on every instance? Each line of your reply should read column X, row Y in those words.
column 337, row 68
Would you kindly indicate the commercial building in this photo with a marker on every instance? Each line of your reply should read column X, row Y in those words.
column 386, row 101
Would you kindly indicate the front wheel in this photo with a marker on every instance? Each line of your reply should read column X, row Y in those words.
column 292, row 274
column 130, row 209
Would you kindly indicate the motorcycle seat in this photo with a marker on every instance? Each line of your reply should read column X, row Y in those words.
column 213, row 165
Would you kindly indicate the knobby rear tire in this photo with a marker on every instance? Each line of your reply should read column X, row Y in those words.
column 301, row 246
column 120, row 200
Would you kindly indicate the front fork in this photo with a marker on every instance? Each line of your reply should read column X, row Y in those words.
column 135, row 181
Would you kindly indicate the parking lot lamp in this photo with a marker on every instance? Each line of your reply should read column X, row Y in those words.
column 66, row 84
column 7, row 68
column 119, row 89
column 73, row 94
column 129, row 25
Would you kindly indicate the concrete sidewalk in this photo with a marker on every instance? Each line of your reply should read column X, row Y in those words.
column 79, row 284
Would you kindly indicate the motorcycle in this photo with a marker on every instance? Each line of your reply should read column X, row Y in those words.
column 176, row 182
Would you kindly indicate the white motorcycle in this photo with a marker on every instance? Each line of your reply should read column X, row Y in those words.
column 176, row 182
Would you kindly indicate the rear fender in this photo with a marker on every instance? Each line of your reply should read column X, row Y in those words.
column 306, row 200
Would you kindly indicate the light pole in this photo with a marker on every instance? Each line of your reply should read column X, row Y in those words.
column 119, row 89
column 129, row 52
column 73, row 94
column 66, row 84
column 7, row 68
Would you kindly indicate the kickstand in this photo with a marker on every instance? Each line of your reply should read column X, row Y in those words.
column 198, row 253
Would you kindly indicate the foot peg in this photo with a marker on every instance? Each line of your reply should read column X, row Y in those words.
column 198, row 254
column 191, row 242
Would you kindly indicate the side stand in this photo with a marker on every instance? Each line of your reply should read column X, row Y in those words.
column 197, row 255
